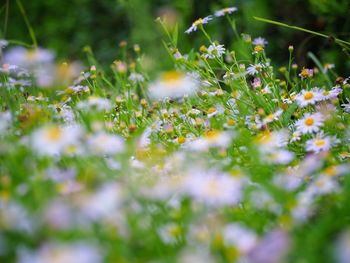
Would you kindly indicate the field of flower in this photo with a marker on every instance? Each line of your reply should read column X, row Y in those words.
column 222, row 158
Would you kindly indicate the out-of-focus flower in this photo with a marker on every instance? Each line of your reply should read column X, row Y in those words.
column 104, row 143
column 259, row 41
column 95, row 103
column 198, row 22
column 62, row 253
column 213, row 188
column 320, row 143
column 225, row 11
column 55, row 140
column 242, row 238
column 173, row 84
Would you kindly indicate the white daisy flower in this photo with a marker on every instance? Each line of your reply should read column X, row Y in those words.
column 259, row 41
column 273, row 117
column 254, row 69
column 330, row 94
column 213, row 188
column 269, row 142
column 240, row 237
column 195, row 24
column 310, row 123
column 320, row 143
column 225, row 11
column 306, row 97
column 215, row 51
column 104, row 143
column 55, row 140
column 95, row 103
column 136, row 78
column 296, row 136
column 173, row 84
column 5, row 120
column 211, row 139
column 62, row 252
column 346, row 106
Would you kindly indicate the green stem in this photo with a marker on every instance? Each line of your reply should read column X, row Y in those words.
column 30, row 29
column 337, row 40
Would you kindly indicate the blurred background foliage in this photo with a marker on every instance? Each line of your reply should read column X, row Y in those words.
column 68, row 26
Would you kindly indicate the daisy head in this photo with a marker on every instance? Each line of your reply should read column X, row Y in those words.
column 215, row 51
column 197, row 23
column 259, row 41
column 320, row 143
column 307, row 97
column 225, row 11
column 310, row 123
column 173, row 84
column 306, row 73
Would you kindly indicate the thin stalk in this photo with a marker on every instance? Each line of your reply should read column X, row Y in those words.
column 343, row 43
column 29, row 27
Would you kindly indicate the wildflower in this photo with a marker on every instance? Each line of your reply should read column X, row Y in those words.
column 5, row 120
column 330, row 94
column 103, row 143
column 136, row 78
column 268, row 142
column 240, row 237
column 324, row 185
column 306, row 97
column 327, row 67
column 320, row 143
column 295, row 136
column 280, row 157
column 310, row 123
column 95, row 103
column 256, row 83
column 55, row 140
column 28, row 58
column 306, row 73
column 76, row 89
column 215, row 51
column 272, row 117
column 266, row 90
column 259, row 41
column 104, row 203
column 213, row 188
column 225, row 11
column 346, row 106
column 254, row 69
column 59, row 253
column 211, row 139
column 173, row 84
column 170, row 233
column 198, row 22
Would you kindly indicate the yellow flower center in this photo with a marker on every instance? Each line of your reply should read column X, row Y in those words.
column 309, row 121
column 320, row 143
column 198, row 22
column 230, row 122
column 211, row 110
column 212, row 135
column 54, row 133
column 171, row 76
column 181, row 139
column 308, row 95
column 31, row 54
column 258, row 48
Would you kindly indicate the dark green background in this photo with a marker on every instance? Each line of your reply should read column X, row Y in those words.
column 66, row 26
